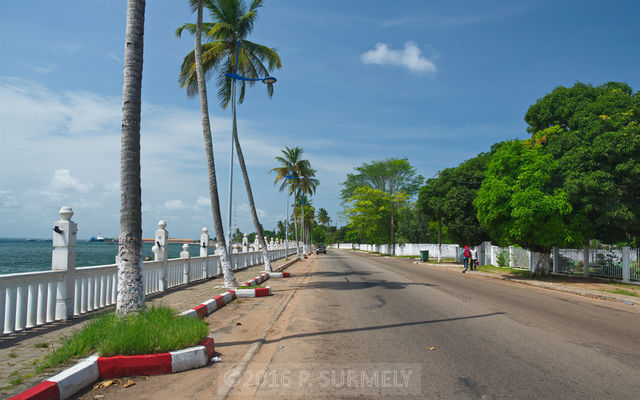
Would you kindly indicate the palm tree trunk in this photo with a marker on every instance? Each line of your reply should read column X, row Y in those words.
column 130, row 297
column 247, row 185
column 230, row 280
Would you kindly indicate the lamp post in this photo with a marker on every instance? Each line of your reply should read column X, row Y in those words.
column 287, row 223
column 304, row 245
column 236, row 77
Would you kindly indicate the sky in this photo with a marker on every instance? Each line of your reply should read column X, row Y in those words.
column 436, row 82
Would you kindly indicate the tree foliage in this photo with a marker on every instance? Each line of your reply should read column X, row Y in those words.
column 450, row 199
column 594, row 134
column 390, row 180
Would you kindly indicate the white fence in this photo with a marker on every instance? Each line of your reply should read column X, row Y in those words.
column 620, row 264
column 32, row 299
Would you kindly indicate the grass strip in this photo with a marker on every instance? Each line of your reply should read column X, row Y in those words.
column 155, row 330
column 511, row 271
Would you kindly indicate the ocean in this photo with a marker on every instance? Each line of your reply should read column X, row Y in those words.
column 22, row 255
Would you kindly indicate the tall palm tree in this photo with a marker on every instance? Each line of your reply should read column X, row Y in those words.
column 221, row 247
column 130, row 297
column 228, row 51
column 296, row 175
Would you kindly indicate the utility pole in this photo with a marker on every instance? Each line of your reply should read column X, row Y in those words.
column 439, row 232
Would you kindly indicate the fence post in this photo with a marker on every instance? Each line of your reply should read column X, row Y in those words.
column 626, row 264
column 245, row 243
column 186, row 267
column 162, row 239
column 204, row 250
column 63, row 258
column 585, row 259
column 556, row 259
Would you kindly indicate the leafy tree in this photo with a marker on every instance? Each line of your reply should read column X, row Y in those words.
column 413, row 226
column 391, row 176
column 198, row 77
column 594, row 133
column 520, row 202
column 130, row 298
column 449, row 199
column 233, row 22
column 368, row 211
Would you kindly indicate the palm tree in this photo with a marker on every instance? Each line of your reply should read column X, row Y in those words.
column 229, row 51
column 130, row 297
column 296, row 175
column 221, row 247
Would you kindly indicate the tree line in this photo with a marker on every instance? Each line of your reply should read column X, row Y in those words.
column 576, row 178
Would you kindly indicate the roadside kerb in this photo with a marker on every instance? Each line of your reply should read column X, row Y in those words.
column 93, row 368
column 545, row 285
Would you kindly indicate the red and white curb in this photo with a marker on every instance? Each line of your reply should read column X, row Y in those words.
column 257, row 280
column 91, row 369
column 257, row 292
column 209, row 306
column 279, row 275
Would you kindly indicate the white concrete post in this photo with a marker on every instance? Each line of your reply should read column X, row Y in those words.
column 245, row 243
column 556, row 259
column 626, row 263
column 162, row 239
column 586, row 260
column 63, row 258
column 204, row 242
column 511, row 257
column 186, row 267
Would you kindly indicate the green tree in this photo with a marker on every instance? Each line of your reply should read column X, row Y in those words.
column 392, row 176
column 130, row 298
column 449, row 199
column 199, row 84
column 229, row 51
column 594, row 134
column 297, row 177
column 368, row 211
column 520, row 202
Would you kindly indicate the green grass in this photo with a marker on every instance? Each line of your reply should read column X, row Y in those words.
column 156, row 330
column 250, row 287
column 621, row 291
column 511, row 271
column 12, row 354
column 41, row 345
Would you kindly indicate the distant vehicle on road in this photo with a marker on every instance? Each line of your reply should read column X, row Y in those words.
column 321, row 249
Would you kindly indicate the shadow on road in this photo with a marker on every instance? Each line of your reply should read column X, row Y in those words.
column 363, row 329
column 358, row 285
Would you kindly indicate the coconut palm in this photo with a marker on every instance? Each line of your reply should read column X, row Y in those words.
column 296, row 175
column 228, row 51
column 221, row 247
column 130, row 297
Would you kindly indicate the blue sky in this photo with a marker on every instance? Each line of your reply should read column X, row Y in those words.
column 433, row 81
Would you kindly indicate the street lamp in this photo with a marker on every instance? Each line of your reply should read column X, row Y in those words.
column 286, row 227
column 266, row 80
column 304, row 245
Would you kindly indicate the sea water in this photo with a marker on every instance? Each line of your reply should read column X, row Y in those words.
column 22, row 255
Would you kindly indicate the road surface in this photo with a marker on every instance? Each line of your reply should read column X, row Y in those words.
column 364, row 326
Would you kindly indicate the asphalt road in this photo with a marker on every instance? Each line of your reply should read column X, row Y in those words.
column 366, row 326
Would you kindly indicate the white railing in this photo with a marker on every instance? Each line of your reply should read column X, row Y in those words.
column 32, row 299
column 29, row 299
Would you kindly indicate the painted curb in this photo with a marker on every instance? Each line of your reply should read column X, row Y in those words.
column 208, row 306
column 279, row 275
column 91, row 369
column 257, row 292
column 257, row 280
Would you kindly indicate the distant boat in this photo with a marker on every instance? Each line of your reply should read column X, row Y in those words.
column 98, row 238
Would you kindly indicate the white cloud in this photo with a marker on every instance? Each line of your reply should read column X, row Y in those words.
column 410, row 57
column 175, row 205
column 63, row 180
column 203, row 201
column 66, row 48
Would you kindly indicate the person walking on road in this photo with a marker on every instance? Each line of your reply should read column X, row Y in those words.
column 474, row 259
column 466, row 256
